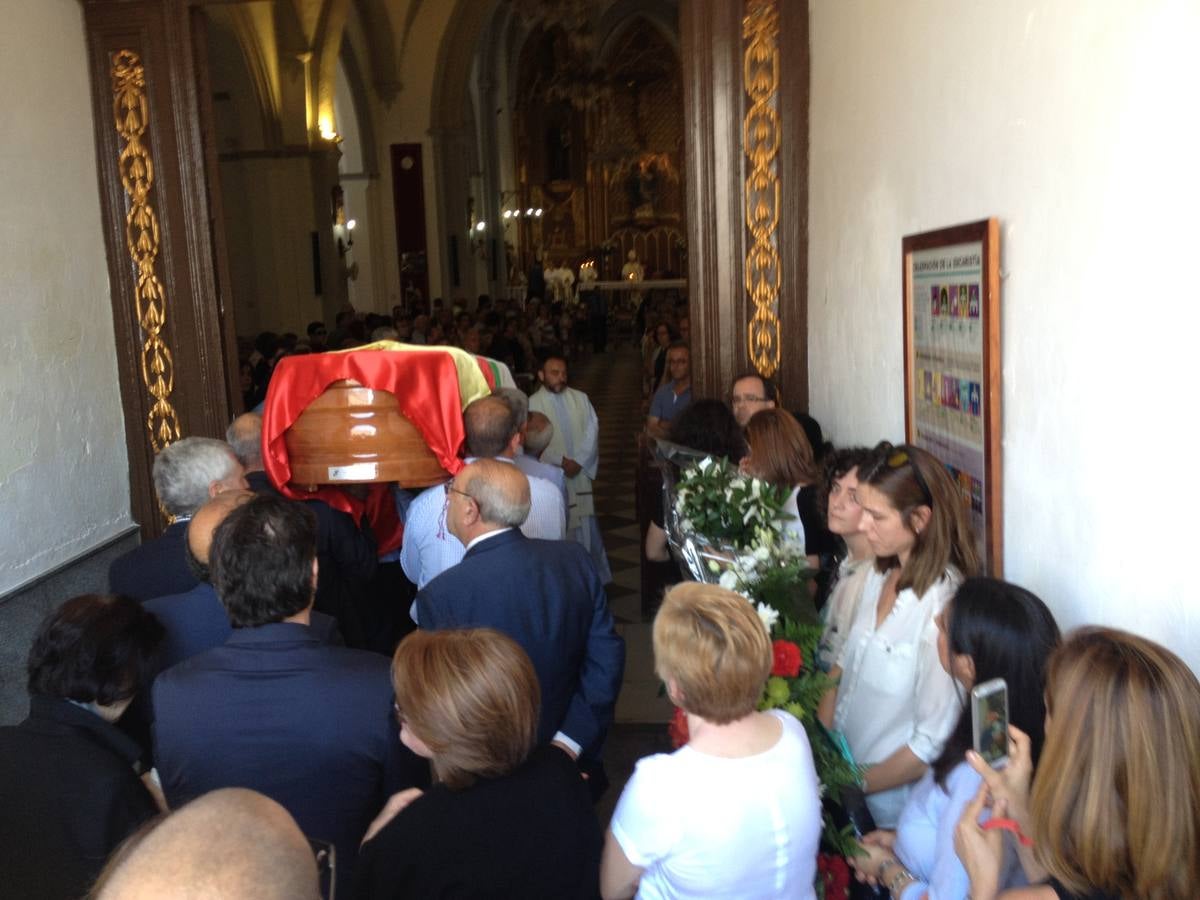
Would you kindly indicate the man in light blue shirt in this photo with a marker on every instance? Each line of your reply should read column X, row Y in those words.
column 492, row 432
column 674, row 396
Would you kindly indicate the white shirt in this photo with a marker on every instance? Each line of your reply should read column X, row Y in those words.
column 712, row 827
column 893, row 690
column 840, row 608
column 429, row 548
column 793, row 528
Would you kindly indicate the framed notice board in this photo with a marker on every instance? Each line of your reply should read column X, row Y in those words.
column 952, row 366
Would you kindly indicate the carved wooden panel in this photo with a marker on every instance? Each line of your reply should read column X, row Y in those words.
column 170, row 325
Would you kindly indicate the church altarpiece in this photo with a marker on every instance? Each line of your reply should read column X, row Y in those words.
column 608, row 176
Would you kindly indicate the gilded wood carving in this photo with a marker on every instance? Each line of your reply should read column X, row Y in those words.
column 761, row 141
column 131, row 114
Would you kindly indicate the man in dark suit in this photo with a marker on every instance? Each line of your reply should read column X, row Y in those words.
column 545, row 595
column 196, row 620
column 273, row 709
column 347, row 554
column 186, row 475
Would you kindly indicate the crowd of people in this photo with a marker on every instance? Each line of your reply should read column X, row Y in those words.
column 246, row 714
column 517, row 334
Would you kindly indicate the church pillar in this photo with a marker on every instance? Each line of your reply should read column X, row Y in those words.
column 746, row 71
column 175, row 347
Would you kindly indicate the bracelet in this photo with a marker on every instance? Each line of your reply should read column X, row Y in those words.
column 899, row 877
column 884, row 866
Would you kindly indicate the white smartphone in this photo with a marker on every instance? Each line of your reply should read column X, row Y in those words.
column 989, row 721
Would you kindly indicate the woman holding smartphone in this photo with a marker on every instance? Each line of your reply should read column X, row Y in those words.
column 1115, row 807
column 990, row 630
column 894, row 703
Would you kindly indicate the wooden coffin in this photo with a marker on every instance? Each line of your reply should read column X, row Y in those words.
column 357, row 435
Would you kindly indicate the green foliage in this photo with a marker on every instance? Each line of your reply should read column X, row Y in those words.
column 801, row 696
column 713, row 499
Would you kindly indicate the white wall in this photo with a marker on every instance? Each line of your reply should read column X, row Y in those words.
column 1075, row 123
column 64, row 483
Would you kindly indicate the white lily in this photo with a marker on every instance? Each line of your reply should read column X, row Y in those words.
column 768, row 615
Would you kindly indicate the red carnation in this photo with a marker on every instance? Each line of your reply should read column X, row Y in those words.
column 678, row 729
column 788, row 659
column 835, row 873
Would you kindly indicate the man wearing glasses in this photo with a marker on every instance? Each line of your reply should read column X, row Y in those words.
column 545, row 595
column 751, row 393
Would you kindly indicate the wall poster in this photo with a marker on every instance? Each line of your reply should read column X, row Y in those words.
column 952, row 366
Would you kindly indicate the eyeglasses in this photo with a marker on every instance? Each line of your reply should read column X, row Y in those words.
column 901, row 457
column 740, row 399
column 451, row 489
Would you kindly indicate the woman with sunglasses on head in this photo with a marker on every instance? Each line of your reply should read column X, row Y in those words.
column 894, row 703
column 1114, row 813
column 991, row 629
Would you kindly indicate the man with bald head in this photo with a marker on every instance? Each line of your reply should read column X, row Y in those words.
column 493, row 429
column 232, row 843
column 536, row 431
column 545, row 595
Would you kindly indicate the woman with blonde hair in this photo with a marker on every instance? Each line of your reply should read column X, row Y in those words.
column 735, row 812
column 1115, row 807
column 894, row 703
column 503, row 818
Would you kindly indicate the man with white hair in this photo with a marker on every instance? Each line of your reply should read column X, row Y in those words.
column 536, row 431
column 187, row 474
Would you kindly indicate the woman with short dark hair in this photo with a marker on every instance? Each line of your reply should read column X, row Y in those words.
column 503, row 819
column 67, row 775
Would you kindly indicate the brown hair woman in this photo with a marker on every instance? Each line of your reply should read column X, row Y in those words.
column 895, row 704
column 502, row 812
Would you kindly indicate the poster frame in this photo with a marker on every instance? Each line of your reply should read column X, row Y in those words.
column 987, row 233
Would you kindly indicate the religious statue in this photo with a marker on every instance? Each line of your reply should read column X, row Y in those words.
column 560, row 283
column 633, row 270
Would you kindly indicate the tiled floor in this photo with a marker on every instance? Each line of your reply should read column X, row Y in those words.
column 613, row 383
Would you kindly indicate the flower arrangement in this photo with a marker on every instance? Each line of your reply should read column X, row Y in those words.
column 743, row 518
column 714, row 500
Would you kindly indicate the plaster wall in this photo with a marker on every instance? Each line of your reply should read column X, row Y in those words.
column 1075, row 123
column 407, row 119
column 64, row 482
column 269, row 221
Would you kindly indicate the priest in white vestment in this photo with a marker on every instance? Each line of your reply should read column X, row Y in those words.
column 575, row 445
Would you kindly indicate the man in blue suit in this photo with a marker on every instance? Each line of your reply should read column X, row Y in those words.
column 187, row 474
column 196, row 620
column 545, row 595
column 273, row 709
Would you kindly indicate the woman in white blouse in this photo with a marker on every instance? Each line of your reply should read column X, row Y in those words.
column 894, row 703
column 736, row 812
column 843, row 515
